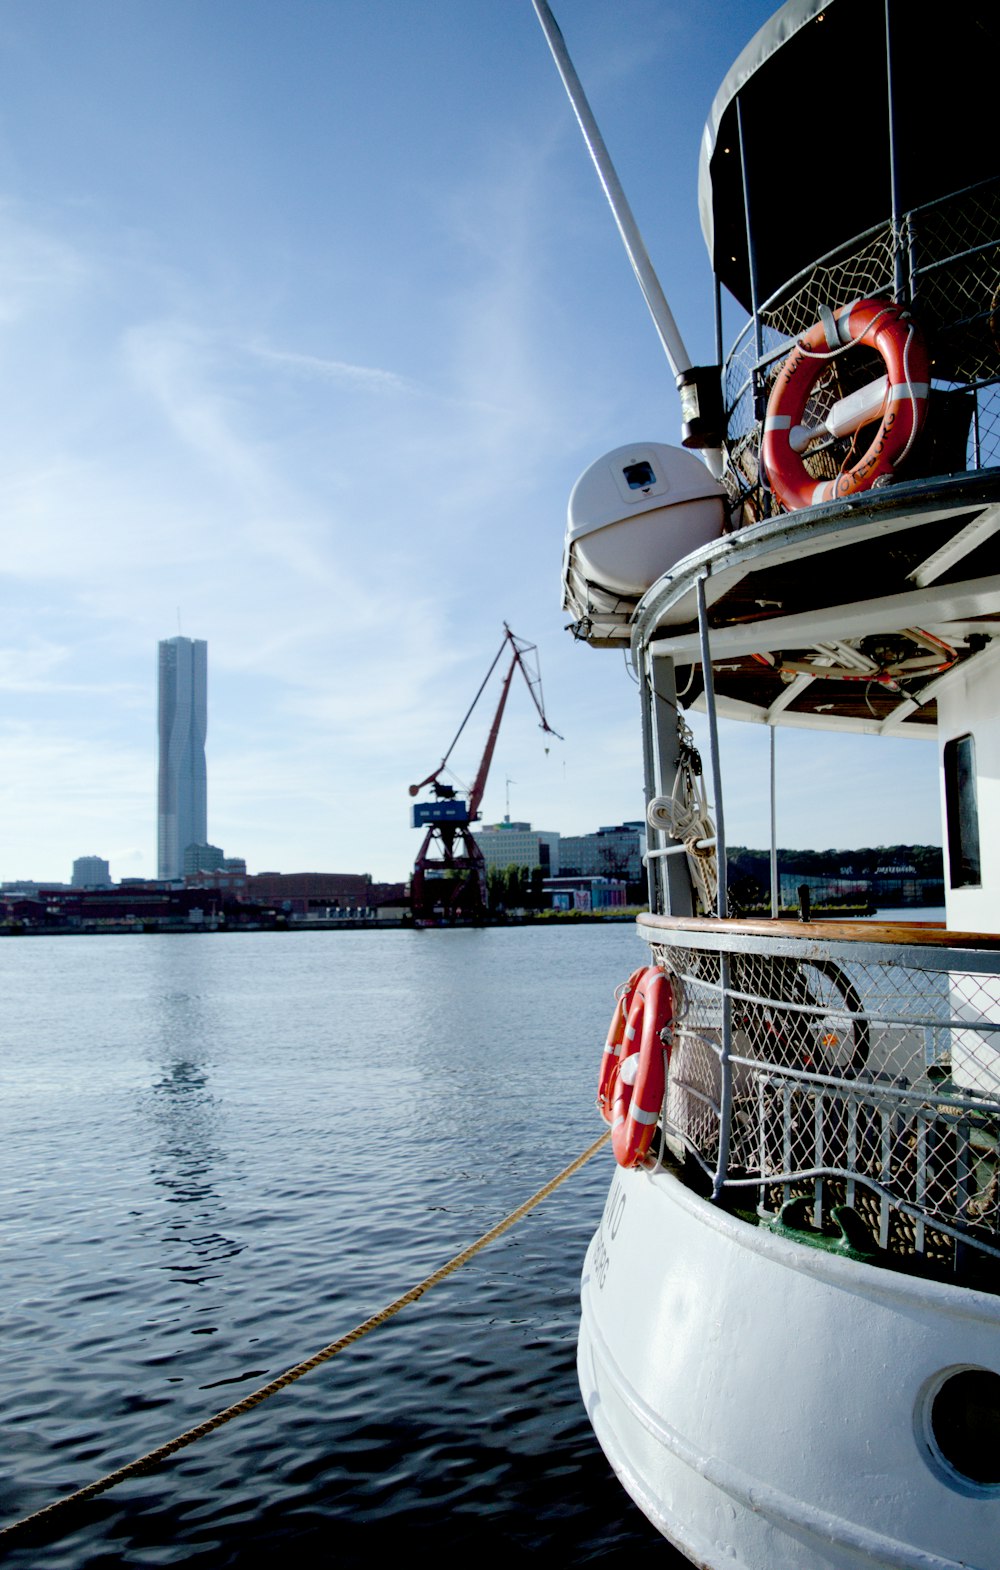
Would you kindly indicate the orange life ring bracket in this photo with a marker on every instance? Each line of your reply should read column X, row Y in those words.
column 879, row 325
column 638, row 1080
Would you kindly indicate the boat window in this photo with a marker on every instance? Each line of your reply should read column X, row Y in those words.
column 639, row 475
column 962, row 812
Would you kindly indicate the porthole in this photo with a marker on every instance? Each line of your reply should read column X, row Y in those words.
column 962, row 1420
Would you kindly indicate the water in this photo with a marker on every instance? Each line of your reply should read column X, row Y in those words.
column 220, row 1152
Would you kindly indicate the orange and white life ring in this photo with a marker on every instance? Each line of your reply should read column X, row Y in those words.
column 639, row 1080
column 880, row 325
column 616, row 1035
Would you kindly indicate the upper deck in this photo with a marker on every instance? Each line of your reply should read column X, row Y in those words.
column 849, row 615
column 837, row 116
column 851, row 203
column 882, row 188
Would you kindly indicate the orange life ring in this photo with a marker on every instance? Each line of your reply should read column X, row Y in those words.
column 613, row 1045
column 639, row 1080
column 882, row 326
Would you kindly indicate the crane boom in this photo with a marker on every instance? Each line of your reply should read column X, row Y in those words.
column 518, row 651
column 432, row 778
column 479, row 783
column 449, row 874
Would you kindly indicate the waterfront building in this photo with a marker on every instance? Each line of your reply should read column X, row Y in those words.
column 613, row 852
column 891, row 884
column 91, row 872
column 182, row 710
column 203, row 858
column 28, row 887
column 228, row 879
column 582, row 893
column 341, row 890
column 510, row 844
column 207, row 867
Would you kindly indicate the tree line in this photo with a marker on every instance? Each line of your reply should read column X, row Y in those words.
column 514, row 888
column 926, row 861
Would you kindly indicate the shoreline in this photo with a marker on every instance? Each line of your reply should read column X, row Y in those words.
column 575, row 918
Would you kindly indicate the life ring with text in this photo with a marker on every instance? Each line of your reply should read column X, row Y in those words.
column 616, row 1036
column 880, row 325
column 639, row 1080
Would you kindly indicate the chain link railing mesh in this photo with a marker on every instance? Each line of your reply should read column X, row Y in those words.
column 875, row 1084
column 951, row 258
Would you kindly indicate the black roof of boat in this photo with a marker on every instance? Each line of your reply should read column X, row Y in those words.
column 811, row 90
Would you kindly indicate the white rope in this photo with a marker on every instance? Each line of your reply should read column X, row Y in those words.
column 852, row 343
column 914, row 421
column 684, row 816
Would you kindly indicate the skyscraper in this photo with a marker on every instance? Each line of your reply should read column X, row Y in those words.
column 91, row 872
column 182, row 795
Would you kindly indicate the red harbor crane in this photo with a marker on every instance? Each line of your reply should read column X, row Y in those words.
column 449, row 874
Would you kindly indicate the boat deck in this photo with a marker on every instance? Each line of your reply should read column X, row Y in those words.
column 842, row 1074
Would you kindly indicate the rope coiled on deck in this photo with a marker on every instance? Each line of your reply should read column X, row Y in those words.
column 154, row 1458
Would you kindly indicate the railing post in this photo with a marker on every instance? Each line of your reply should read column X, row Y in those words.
column 775, row 887
column 725, row 1077
column 758, row 335
column 670, row 890
column 898, row 274
column 713, row 737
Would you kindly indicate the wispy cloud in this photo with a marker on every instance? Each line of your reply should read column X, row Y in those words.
column 68, row 792
column 365, row 377
column 39, row 267
column 176, row 365
column 43, row 667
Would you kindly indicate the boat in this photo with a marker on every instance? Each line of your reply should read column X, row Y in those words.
column 790, row 1311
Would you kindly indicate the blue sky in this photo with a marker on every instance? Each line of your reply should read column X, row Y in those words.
column 311, row 314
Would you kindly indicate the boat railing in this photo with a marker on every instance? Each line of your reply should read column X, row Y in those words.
column 828, row 1076
column 951, row 270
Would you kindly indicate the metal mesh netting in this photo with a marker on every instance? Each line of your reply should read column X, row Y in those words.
column 956, row 279
column 875, row 1084
column 951, row 254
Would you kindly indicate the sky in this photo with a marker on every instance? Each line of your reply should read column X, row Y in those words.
column 311, row 314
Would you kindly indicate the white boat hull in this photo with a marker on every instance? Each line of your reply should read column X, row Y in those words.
column 767, row 1404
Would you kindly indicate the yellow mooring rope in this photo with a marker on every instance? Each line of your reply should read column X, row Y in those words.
column 153, row 1458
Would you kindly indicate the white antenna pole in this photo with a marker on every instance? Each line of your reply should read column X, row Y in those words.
column 663, row 317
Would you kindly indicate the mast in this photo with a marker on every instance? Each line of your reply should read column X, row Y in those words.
column 699, row 386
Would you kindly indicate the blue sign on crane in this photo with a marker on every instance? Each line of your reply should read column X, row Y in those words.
column 453, row 811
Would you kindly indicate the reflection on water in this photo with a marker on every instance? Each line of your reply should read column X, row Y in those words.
column 216, row 1155
column 188, row 1133
column 186, row 1150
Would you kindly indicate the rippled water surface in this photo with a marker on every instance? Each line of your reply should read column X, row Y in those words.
column 220, row 1152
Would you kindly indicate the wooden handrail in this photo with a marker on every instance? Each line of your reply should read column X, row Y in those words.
column 923, row 933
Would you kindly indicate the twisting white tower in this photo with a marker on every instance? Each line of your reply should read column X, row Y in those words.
column 182, row 707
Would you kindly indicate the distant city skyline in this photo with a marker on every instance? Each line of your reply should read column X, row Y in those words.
column 182, row 774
